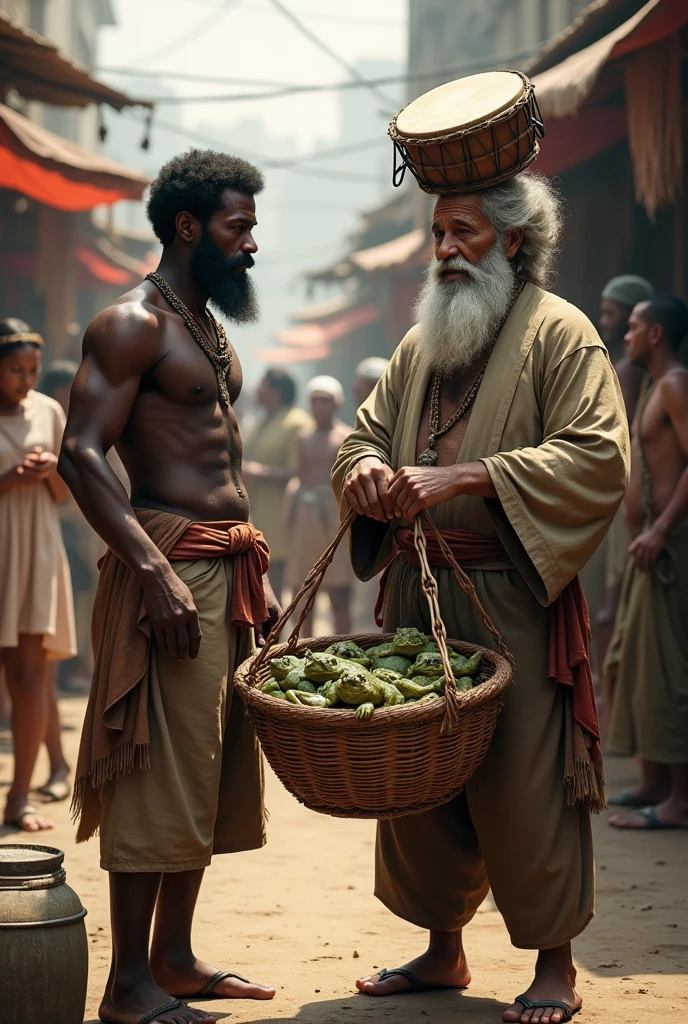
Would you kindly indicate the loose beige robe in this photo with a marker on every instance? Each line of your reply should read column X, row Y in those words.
column 274, row 442
column 549, row 424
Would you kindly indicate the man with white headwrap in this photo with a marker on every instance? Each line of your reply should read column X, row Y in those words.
column 501, row 413
column 368, row 373
column 311, row 506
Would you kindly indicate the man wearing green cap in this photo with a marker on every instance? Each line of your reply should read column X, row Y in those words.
column 619, row 296
column 605, row 570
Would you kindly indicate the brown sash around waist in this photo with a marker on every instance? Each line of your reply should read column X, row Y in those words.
column 116, row 735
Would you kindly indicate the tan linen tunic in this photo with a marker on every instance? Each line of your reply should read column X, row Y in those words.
column 274, row 442
column 36, row 587
column 550, row 426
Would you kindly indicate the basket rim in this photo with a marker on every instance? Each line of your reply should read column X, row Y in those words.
column 470, row 701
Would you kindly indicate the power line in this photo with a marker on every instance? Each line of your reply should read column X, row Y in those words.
column 350, row 69
column 473, row 64
column 203, row 26
column 293, row 165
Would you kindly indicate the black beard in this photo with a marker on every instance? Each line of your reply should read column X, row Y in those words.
column 228, row 289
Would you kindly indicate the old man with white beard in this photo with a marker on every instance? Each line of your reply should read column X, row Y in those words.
column 501, row 413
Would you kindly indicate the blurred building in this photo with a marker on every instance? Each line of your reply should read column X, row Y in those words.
column 58, row 265
column 365, row 297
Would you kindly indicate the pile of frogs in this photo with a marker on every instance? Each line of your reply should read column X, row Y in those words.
column 405, row 670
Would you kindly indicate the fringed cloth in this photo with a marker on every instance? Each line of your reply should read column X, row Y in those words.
column 115, row 737
column 568, row 662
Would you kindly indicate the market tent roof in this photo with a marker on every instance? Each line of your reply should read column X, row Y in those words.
column 315, row 335
column 103, row 270
column 58, row 172
column 564, row 88
column 412, row 247
column 285, row 354
column 391, row 254
column 38, row 70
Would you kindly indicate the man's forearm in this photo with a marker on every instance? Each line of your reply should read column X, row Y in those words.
column 104, row 502
column 473, row 478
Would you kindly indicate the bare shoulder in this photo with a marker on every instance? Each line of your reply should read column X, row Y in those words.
column 128, row 334
column 340, row 432
column 673, row 391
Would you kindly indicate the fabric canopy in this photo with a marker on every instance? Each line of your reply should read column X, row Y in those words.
column 38, row 70
column 101, row 269
column 564, row 88
column 286, row 354
column 58, row 172
column 315, row 335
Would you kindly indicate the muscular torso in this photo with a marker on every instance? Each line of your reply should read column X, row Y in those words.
column 180, row 447
column 317, row 452
column 663, row 458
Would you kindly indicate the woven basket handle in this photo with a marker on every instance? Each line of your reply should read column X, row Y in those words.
column 309, row 589
column 430, row 589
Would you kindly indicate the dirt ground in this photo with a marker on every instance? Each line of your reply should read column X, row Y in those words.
column 300, row 914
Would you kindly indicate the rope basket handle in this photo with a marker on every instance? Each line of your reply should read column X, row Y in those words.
column 310, row 586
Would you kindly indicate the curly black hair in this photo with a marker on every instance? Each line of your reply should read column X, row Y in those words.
column 194, row 182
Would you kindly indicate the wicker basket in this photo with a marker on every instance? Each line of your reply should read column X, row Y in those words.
column 403, row 760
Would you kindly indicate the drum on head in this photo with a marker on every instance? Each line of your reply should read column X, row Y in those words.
column 469, row 134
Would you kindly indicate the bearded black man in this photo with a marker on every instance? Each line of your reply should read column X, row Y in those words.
column 169, row 767
column 538, row 464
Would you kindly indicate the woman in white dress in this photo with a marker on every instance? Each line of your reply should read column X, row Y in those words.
column 36, row 609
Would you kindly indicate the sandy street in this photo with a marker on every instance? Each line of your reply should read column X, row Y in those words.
column 301, row 914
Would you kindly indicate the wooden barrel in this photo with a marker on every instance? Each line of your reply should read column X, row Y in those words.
column 43, row 944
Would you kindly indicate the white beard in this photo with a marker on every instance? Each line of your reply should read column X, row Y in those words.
column 458, row 319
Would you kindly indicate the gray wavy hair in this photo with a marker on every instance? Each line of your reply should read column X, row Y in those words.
column 528, row 201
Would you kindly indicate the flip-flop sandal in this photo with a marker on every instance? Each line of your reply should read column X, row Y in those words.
column 207, row 992
column 625, row 799
column 416, row 984
column 54, row 792
column 159, row 1010
column 23, row 812
column 555, row 1004
column 652, row 823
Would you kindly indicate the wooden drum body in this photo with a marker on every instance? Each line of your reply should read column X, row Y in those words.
column 43, row 943
column 469, row 134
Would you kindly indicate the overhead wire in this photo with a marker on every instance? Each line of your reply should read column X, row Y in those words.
column 282, row 89
column 201, row 29
column 293, row 164
column 350, row 69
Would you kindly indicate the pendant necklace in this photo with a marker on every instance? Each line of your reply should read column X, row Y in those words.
column 219, row 354
column 429, row 456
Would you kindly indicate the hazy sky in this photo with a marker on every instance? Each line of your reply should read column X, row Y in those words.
column 250, row 39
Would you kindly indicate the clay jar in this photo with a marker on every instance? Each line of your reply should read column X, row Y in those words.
column 43, row 944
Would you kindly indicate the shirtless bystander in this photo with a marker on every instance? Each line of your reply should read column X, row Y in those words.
column 650, row 648
column 312, row 507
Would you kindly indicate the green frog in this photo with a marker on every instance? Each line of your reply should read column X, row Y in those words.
column 409, row 642
column 349, row 651
column 320, row 668
column 362, row 690
column 281, row 667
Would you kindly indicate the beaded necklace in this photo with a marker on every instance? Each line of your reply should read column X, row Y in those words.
column 219, row 354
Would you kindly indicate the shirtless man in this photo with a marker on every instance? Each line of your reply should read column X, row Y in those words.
column 154, row 384
column 313, row 509
column 650, row 715
column 602, row 579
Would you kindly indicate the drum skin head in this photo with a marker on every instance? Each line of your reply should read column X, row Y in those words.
column 461, row 104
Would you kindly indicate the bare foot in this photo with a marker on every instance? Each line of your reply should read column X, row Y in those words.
column 187, row 980
column 548, row 984
column 432, row 968
column 24, row 816
column 130, row 1005
column 671, row 813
